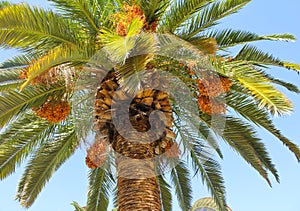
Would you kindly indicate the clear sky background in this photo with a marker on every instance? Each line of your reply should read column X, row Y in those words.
column 246, row 190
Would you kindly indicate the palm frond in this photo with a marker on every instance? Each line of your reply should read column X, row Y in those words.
column 115, row 196
column 180, row 177
column 19, row 139
column 179, row 12
column 119, row 47
column 14, row 103
column 260, row 88
column 4, row 4
column 48, row 158
column 84, row 12
column 7, row 75
column 243, row 139
column 77, row 206
column 56, row 56
column 8, row 86
column 100, row 184
column 18, row 61
column 209, row 16
column 165, row 192
column 154, row 9
column 9, row 79
column 188, row 125
column 289, row 86
column 203, row 163
column 247, row 108
column 229, row 37
column 31, row 28
column 206, row 134
column 253, row 55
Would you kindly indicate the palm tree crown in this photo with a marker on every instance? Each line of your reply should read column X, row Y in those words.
column 84, row 52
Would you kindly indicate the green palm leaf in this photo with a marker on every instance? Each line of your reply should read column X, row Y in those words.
column 209, row 16
column 48, row 158
column 180, row 177
column 18, row 61
column 260, row 88
column 248, row 109
column 257, row 57
column 203, row 163
column 14, row 103
column 229, row 37
column 28, row 28
column 9, row 79
column 19, row 140
column 77, row 207
column 289, row 86
column 154, row 9
column 85, row 12
column 165, row 192
column 179, row 12
column 100, row 184
column 7, row 75
column 8, row 86
column 243, row 139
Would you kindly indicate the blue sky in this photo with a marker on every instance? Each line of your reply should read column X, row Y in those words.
column 246, row 190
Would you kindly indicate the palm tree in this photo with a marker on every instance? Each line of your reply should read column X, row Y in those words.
column 46, row 93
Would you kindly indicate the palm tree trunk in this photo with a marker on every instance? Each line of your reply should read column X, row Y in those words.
column 137, row 182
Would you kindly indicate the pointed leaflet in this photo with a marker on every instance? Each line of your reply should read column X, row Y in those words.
column 253, row 55
column 209, row 15
column 19, row 139
column 9, row 80
column 181, row 180
column 258, row 86
column 7, row 75
column 179, row 12
column 100, row 184
column 154, row 9
column 13, row 103
column 289, row 86
column 203, row 163
column 77, row 207
column 229, row 37
column 45, row 162
column 19, row 61
column 243, row 139
column 165, row 192
column 22, row 26
column 85, row 12
column 248, row 109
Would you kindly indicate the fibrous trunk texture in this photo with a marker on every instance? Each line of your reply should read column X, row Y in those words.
column 137, row 182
